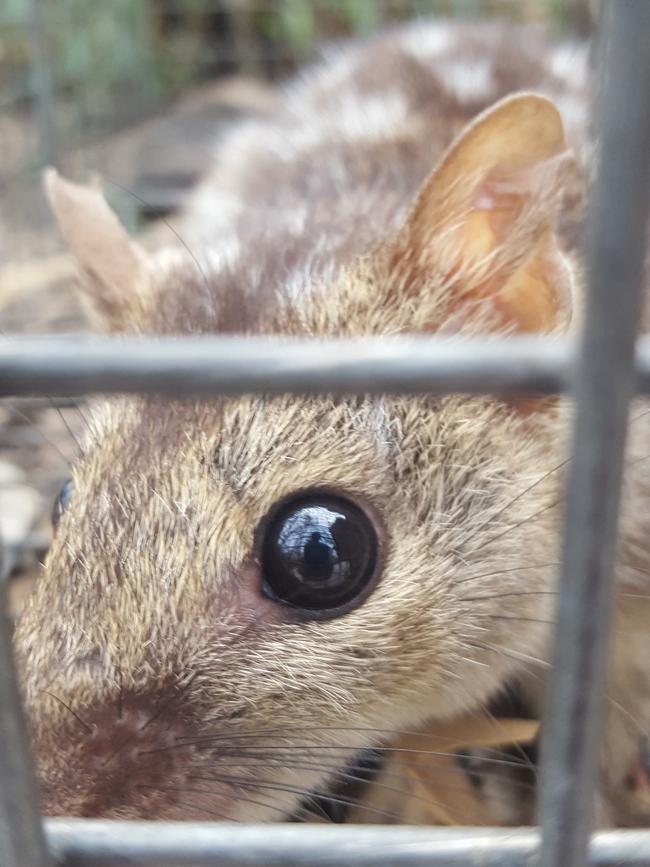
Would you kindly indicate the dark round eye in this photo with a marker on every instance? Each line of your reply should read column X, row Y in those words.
column 61, row 502
column 319, row 553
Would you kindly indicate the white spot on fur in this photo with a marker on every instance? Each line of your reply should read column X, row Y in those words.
column 569, row 62
column 425, row 43
column 354, row 118
column 372, row 117
column 216, row 212
column 468, row 80
column 338, row 69
column 228, row 252
column 169, row 258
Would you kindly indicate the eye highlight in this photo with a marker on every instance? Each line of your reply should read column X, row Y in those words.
column 319, row 553
column 61, row 503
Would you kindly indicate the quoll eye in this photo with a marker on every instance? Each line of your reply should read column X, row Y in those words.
column 61, row 503
column 319, row 553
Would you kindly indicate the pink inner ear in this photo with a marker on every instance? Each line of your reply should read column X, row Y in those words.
column 505, row 193
column 493, row 242
column 503, row 187
column 484, row 201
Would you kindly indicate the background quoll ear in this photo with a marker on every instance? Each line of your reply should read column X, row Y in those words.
column 113, row 267
column 481, row 233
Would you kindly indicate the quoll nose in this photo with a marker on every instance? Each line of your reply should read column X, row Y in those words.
column 129, row 752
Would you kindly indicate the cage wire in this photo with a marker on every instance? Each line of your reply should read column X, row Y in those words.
column 91, row 86
column 60, row 105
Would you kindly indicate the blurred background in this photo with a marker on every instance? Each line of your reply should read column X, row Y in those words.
column 79, row 79
column 139, row 91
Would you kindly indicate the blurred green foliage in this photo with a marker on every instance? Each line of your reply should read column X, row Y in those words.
column 104, row 54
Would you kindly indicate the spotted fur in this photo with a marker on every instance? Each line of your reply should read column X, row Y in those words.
column 154, row 669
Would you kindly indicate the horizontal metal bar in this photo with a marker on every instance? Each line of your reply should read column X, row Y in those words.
column 203, row 366
column 229, row 365
column 88, row 842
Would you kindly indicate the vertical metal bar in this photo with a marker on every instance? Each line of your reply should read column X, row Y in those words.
column 22, row 841
column 604, row 384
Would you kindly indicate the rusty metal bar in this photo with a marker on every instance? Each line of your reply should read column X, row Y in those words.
column 604, row 386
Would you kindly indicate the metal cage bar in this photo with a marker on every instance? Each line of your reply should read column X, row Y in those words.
column 602, row 377
column 22, row 841
column 603, row 390
column 89, row 843
column 226, row 365
column 205, row 366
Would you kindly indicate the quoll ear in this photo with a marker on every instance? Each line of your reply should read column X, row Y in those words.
column 113, row 267
column 483, row 225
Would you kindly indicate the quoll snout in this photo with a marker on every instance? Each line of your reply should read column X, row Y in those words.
column 121, row 752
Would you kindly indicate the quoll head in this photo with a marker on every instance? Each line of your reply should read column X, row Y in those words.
column 243, row 593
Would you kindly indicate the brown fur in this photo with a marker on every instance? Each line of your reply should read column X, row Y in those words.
column 149, row 624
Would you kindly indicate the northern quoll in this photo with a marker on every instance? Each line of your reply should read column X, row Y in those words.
column 243, row 595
